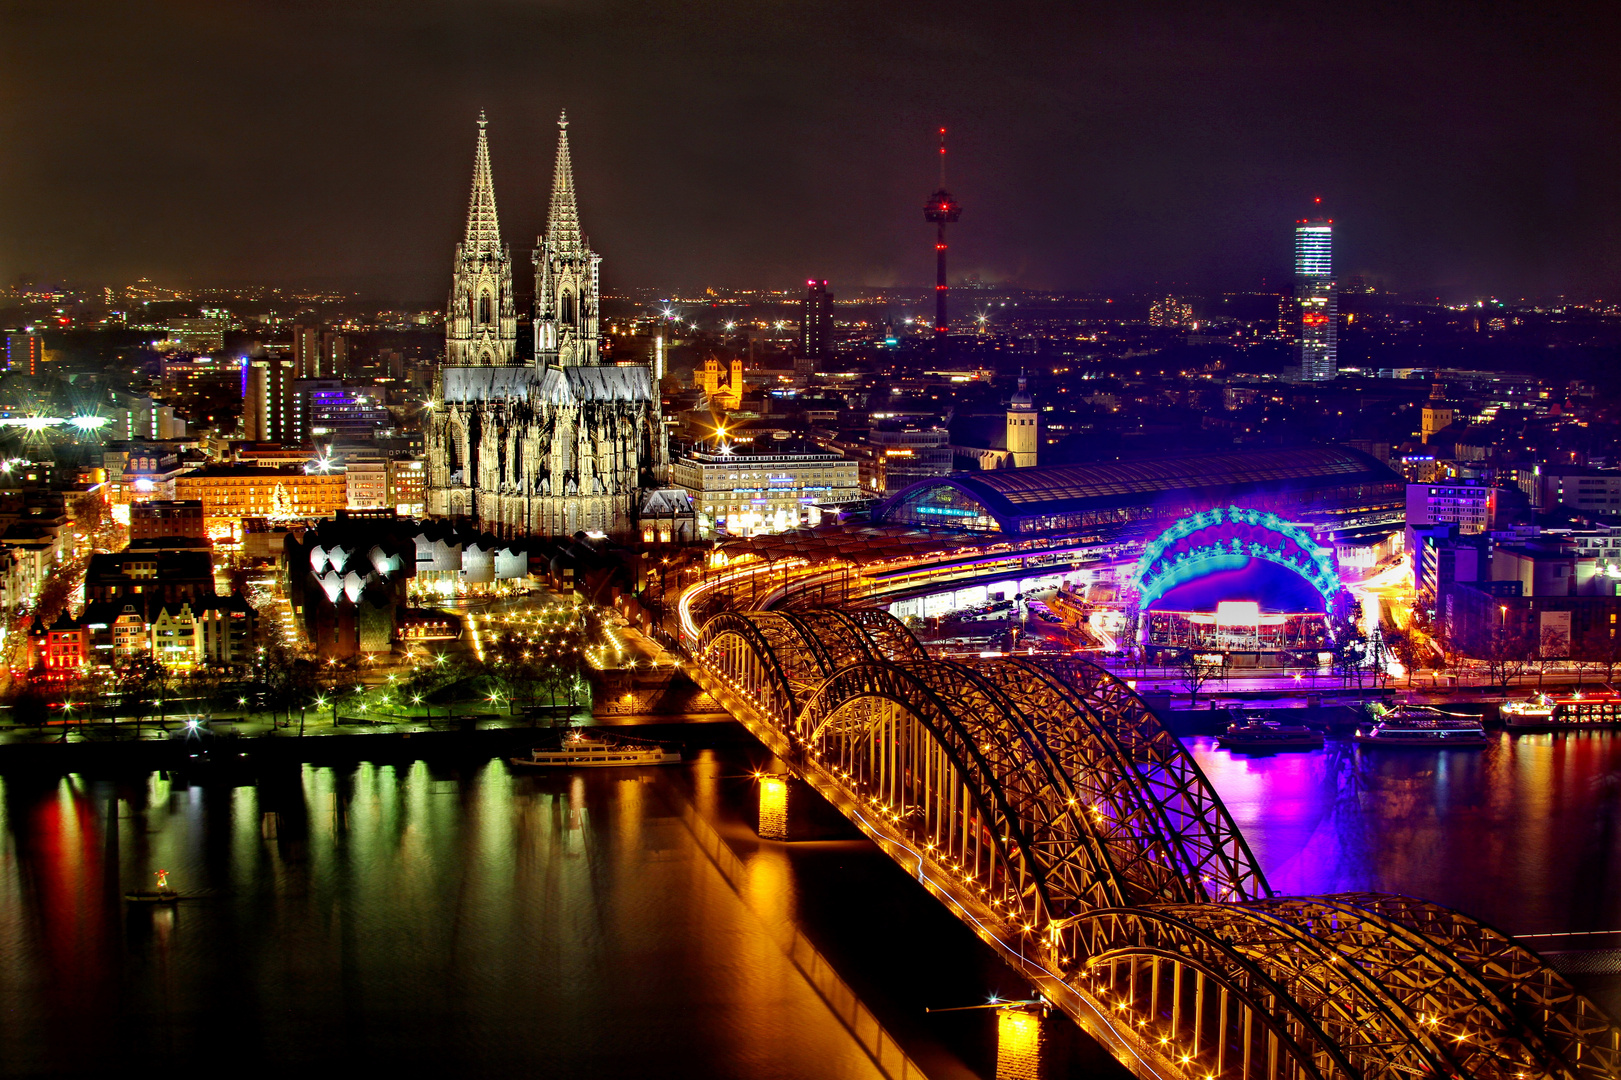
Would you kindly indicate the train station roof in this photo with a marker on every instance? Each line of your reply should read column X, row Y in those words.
column 1025, row 500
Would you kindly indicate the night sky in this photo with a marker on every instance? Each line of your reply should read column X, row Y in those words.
column 1465, row 148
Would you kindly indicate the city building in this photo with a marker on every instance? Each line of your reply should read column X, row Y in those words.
column 204, row 335
column 1317, row 300
column 719, row 393
column 231, row 492
column 267, row 399
column 368, row 485
column 137, row 416
column 1573, row 487
column 744, row 493
column 325, row 410
column 903, row 455
column 565, row 445
column 24, row 351
column 1170, row 311
column 1470, row 505
column 307, row 352
column 1438, row 414
column 406, row 483
column 815, row 328
column 983, row 444
column 163, row 519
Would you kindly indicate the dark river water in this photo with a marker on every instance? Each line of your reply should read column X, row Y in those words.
column 456, row 917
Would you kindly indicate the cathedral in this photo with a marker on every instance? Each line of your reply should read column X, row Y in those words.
column 566, row 444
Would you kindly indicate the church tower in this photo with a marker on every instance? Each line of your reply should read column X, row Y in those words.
column 566, row 276
column 1023, row 428
column 481, row 321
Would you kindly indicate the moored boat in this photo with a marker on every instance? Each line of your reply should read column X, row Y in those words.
column 1572, row 708
column 579, row 751
column 1260, row 735
column 160, row 895
column 1421, row 727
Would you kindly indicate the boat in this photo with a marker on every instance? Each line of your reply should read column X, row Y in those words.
column 579, row 751
column 1418, row 726
column 160, row 895
column 1575, row 708
column 1257, row 734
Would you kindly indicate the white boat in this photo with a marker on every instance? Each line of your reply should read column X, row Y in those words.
column 1415, row 726
column 586, row 752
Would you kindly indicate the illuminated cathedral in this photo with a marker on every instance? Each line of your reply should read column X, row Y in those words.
column 565, row 444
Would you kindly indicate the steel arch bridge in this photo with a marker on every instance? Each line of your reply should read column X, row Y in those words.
column 1045, row 804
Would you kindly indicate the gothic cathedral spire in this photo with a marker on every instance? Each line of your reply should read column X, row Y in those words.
column 481, row 320
column 566, row 275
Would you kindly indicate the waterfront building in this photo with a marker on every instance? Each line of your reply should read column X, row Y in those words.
column 1317, row 300
column 745, row 492
column 564, row 445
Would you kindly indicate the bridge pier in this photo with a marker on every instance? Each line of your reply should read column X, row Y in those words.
column 788, row 809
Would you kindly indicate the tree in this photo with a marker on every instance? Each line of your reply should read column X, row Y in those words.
column 1196, row 669
column 141, row 679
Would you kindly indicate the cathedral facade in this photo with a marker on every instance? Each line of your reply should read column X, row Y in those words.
column 566, row 444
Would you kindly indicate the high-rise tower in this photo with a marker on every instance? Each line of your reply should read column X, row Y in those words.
column 816, row 322
column 567, row 274
column 481, row 321
column 1317, row 299
column 940, row 210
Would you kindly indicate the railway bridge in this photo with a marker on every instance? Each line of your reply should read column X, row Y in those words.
column 1043, row 802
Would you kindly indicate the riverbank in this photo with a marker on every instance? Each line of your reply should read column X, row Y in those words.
column 227, row 744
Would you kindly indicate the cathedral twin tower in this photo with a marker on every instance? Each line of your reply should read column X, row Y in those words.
column 566, row 444
column 481, row 321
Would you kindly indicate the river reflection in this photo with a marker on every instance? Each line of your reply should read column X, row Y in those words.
column 394, row 919
column 1521, row 833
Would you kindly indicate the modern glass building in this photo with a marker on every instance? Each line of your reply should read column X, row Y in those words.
column 1317, row 299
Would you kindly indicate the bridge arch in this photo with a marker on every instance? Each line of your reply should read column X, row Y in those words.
column 1046, row 803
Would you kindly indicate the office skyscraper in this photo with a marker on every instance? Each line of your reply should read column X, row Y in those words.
column 1315, row 295
column 816, row 323
column 267, row 399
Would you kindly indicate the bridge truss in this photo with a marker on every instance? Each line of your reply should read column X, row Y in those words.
column 1054, row 814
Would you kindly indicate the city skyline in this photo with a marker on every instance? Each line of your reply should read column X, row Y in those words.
column 1100, row 151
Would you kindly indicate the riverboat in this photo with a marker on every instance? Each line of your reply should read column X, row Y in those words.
column 1577, row 708
column 1423, row 728
column 1263, row 735
column 581, row 752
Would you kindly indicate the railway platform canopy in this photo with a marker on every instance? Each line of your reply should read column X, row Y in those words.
column 1334, row 486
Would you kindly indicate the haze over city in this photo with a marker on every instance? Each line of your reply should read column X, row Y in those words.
column 1466, row 149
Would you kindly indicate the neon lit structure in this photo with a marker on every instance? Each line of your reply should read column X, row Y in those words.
column 1212, row 581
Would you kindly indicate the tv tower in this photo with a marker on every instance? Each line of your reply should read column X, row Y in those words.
column 940, row 209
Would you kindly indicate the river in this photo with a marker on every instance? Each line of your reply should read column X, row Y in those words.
column 455, row 916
